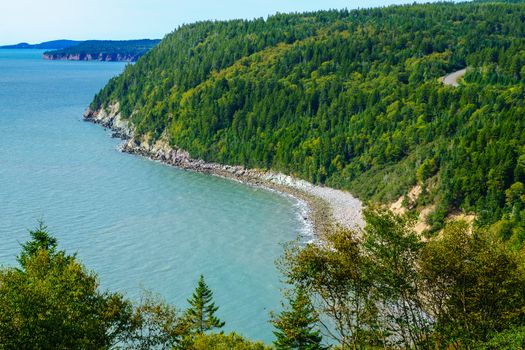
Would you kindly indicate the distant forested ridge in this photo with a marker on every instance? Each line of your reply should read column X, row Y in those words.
column 47, row 45
column 103, row 50
column 350, row 99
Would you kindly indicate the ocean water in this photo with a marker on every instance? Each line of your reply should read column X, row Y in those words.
column 139, row 224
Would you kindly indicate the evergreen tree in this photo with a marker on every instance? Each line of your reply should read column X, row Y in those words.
column 201, row 314
column 295, row 327
column 40, row 240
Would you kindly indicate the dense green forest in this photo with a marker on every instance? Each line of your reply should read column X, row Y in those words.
column 351, row 99
column 105, row 50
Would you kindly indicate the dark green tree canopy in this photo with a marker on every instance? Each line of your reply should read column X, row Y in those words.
column 40, row 240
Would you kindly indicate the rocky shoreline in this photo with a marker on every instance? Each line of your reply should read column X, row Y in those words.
column 103, row 57
column 326, row 206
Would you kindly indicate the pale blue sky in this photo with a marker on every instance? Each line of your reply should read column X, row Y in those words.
column 42, row 20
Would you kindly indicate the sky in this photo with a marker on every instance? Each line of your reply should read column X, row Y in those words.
column 35, row 21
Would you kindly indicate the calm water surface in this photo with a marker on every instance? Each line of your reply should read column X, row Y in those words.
column 137, row 223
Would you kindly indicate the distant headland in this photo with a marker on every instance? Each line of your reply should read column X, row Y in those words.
column 47, row 45
column 91, row 50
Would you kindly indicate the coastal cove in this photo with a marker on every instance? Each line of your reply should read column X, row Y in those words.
column 139, row 224
column 325, row 206
column 298, row 176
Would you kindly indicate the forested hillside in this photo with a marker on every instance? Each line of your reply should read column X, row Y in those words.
column 351, row 99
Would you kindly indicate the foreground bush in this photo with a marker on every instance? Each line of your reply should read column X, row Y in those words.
column 230, row 341
column 377, row 288
column 52, row 302
column 383, row 287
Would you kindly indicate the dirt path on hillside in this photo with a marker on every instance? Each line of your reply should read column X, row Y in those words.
column 453, row 78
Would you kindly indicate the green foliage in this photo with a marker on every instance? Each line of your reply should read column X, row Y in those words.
column 381, row 287
column 474, row 285
column 426, row 169
column 53, row 302
column 351, row 99
column 463, row 289
column 200, row 316
column 155, row 324
column 511, row 228
column 393, row 249
column 336, row 276
column 230, row 341
column 40, row 240
column 296, row 327
column 512, row 339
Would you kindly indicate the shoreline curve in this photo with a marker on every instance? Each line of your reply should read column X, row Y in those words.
column 325, row 206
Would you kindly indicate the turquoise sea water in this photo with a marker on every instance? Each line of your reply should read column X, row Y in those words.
column 137, row 223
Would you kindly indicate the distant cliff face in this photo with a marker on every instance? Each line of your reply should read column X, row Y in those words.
column 104, row 50
column 91, row 57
